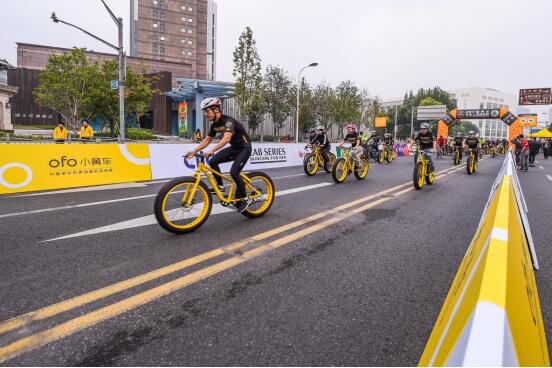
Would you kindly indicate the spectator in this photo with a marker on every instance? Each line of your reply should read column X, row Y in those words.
column 534, row 148
column 60, row 133
column 86, row 131
column 197, row 135
column 518, row 146
column 287, row 139
column 524, row 155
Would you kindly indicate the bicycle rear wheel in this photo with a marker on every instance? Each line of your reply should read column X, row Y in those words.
column 361, row 169
column 330, row 162
column 261, row 204
column 179, row 208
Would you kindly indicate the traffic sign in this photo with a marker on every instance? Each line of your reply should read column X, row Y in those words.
column 535, row 96
column 430, row 112
column 114, row 84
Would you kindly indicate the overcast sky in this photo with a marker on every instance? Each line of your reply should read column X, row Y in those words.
column 386, row 46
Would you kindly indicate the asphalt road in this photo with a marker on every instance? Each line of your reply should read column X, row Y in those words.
column 350, row 274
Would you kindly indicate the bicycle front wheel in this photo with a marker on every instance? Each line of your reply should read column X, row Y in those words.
column 340, row 170
column 310, row 164
column 179, row 208
column 418, row 176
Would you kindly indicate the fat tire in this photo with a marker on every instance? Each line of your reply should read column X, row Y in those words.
column 260, row 173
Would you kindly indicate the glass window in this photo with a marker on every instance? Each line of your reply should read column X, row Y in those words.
column 154, row 2
column 190, row 31
column 162, row 39
column 190, row 20
column 501, row 100
column 489, row 105
column 189, row 42
column 481, row 105
column 190, row 8
column 183, row 19
column 162, row 28
column 183, row 30
column 183, row 41
column 183, row 7
column 154, row 38
column 162, row 51
column 154, row 25
column 162, row 4
column 155, row 14
column 154, row 50
column 163, row 16
column 484, row 97
column 183, row 52
column 189, row 53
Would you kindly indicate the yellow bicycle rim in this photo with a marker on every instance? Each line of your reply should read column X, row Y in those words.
column 269, row 196
column 421, row 175
column 187, row 194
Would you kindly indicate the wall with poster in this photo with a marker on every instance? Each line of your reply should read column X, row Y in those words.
column 25, row 168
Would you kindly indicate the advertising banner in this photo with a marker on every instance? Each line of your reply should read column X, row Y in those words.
column 26, row 167
column 182, row 119
column 528, row 120
column 535, row 96
column 167, row 160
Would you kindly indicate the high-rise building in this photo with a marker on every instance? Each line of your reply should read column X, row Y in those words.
column 180, row 31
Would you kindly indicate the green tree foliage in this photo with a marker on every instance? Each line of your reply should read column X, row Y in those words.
column 463, row 126
column 278, row 95
column 306, row 112
column 104, row 101
column 247, row 71
column 321, row 105
column 429, row 101
column 346, row 105
column 64, row 85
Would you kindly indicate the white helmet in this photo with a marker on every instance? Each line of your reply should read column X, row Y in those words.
column 471, row 132
column 320, row 127
column 424, row 126
column 210, row 102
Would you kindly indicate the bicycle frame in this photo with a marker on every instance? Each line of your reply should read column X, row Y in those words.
column 209, row 174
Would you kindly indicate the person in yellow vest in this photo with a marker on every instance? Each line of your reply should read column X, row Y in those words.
column 60, row 133
column 86, row 131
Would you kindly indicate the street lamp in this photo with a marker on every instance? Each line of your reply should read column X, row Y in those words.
column 119, row 49
column 298, row 93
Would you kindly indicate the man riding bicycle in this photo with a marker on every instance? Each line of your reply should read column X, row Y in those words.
column 352, row 138
column 458, row 143
column 426, row 141
column 472, row 143
column 321, row 139
column 239, row 150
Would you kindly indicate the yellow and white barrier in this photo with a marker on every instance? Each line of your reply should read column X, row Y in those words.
column 492, row 315
column 30, row 167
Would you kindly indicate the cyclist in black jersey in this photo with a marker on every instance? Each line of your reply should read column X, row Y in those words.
column 238, row 151
column 322, row 140
column 353, row 138
column 388, row 140
column 426, row 141
column 472, row 142
column 458, row 142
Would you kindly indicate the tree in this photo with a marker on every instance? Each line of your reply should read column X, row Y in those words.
column 278, row 96
column 306, row 114
column 463, row 126
column 321, row 105
column 346, row 104
column 64, row 85
column 104, row 101
column 247, row 71
column 429, row 101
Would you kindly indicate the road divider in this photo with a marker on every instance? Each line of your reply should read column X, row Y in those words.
column 492, row 315
column 238, row 252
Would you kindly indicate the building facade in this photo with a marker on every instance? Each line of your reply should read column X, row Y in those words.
column 177, row 31
column 486, row 98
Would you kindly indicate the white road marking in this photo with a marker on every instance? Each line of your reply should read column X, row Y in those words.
column 150, row 219
column 540, row 167
column 549, row 177
column 86, row 189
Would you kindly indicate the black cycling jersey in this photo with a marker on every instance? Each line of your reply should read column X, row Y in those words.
column 351, row 138
column 472, row 142
column 458, row 141
column 229, row 124
column 321, row 139
column 388, row 141
column 425, row 140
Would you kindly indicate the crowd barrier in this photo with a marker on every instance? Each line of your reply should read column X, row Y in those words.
column 25, row 168
column 492, row 315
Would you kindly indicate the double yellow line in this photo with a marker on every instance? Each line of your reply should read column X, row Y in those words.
column 69, row 327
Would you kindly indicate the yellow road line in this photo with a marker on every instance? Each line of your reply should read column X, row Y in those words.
column 76, row 324
column 63, row 306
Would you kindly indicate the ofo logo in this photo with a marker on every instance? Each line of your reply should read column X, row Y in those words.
column 62, row 162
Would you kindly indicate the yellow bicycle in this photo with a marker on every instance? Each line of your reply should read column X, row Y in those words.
column 456, row 155
column 315, row 159
column 347, row 164
column 421, row 170
column 471, row 163
column 184, row 204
